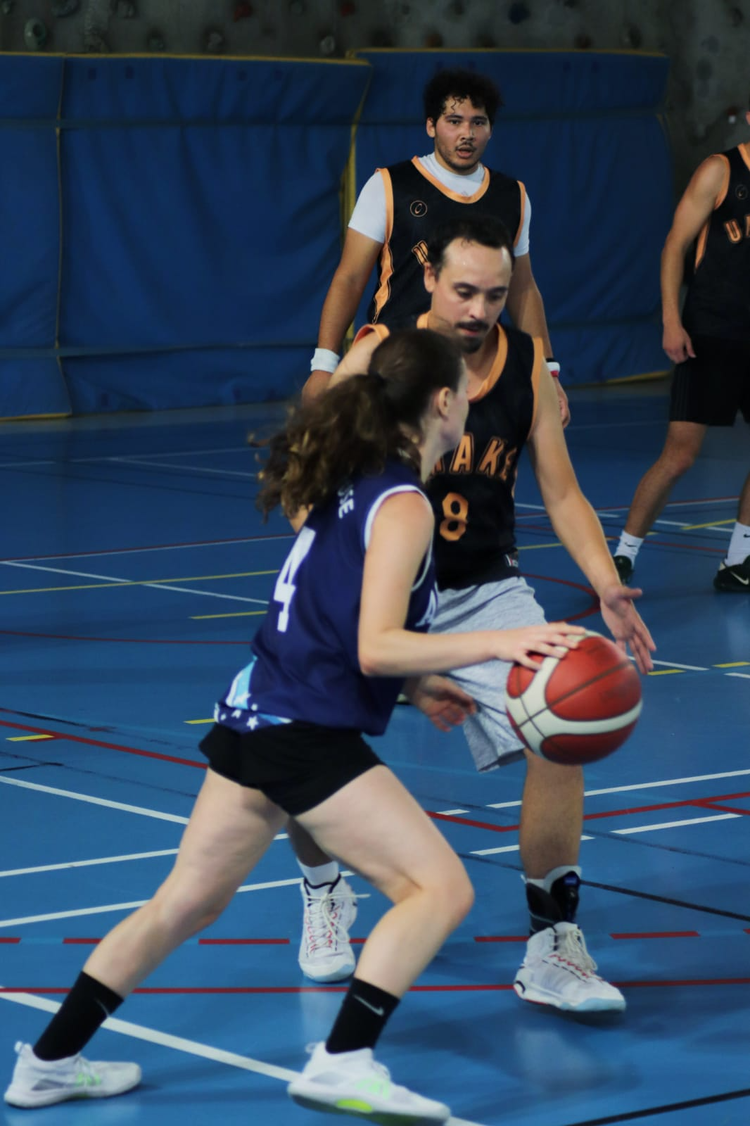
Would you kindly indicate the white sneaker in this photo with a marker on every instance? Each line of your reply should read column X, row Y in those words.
column 355, row 1083
column 41, row 1083
column 558, row 970
column 325, row 953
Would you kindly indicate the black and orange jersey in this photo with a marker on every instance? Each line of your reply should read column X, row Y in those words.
column 471, row 488
column 417, row 203
column 718, row 294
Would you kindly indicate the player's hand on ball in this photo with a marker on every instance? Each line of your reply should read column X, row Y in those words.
column 549, row 639
column 626, row 625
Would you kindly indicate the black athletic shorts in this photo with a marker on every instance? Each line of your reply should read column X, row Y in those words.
column 297, row 765
column 713, row 387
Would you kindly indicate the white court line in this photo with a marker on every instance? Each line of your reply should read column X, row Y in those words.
column 743, row 675
column 180, row 1044
column 103, row 908
column 677, row 665
column 643, row 785
column 189, row 468
column 509, row 848
column 95, row 801
column 674, row 824
column 163, row 547
column 87, row 863
column 130, row 582
column 123, row 806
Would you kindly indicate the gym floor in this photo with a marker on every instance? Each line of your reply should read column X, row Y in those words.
column 134, row 570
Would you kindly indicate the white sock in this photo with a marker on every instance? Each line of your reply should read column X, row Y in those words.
column 628, row 546
column 322, row 874
column 739, row 545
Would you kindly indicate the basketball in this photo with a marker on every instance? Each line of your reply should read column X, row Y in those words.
column 577, row 708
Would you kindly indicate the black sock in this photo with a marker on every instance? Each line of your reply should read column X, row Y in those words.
column 86, row 1007
column 361, row 1018
column 558, row 905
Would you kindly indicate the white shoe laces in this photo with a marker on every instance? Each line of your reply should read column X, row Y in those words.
column 322, row 921
column 570, row 946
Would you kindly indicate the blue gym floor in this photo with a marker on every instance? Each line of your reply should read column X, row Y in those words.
column 134, row 569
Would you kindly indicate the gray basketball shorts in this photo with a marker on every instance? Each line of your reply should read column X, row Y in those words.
column 508, row 604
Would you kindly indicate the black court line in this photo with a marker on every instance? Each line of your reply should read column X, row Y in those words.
column 667, row 1108
column 468, row 856
column 671, row 902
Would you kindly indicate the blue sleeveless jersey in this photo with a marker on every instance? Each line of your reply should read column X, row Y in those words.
column 304, row 663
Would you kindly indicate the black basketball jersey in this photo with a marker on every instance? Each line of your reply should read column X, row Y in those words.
column 718, row 295
column 417, row 203
column 471, row 488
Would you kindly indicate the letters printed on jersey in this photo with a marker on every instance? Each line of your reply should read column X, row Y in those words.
column 718, row 296
column 471, row 488
column 416, row 204
column 304, row 663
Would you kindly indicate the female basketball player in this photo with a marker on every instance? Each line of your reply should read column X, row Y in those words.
column 346, row 624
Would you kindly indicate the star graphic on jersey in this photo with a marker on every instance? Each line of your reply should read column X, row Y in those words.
column 252, row 723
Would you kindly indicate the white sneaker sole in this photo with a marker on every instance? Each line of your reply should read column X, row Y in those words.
column 28, row 1100
column 360, row 1108
column 538, row 996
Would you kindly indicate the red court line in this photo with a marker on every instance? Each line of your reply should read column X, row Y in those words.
column 700, row 803
column 221, row 991
column 725, row 808
column 657, row 934
column 243, row 941
column 360, row 941
column 100, row 743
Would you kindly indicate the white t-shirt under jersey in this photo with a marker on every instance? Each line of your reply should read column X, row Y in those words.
column 369, row 215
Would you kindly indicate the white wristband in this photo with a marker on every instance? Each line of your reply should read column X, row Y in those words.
column 554, row 368
column 324, row 360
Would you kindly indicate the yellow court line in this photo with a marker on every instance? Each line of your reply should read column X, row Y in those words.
column 198, row 721
column 28, row 738
column 710, row 524
column 239, row 614
column 665, row 672
column 141, row 582
column 732, row 664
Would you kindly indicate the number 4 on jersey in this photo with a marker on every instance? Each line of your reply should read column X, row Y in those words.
column 284, row 590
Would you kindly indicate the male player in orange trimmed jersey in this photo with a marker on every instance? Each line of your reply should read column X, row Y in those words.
column 512, row 403
column 400, row 206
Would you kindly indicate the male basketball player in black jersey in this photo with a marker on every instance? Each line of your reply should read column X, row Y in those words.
column 512, row 403
column 710, row 345
column 401, row 205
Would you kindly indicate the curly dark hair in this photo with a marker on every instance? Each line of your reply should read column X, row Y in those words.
column 461, row 84
column 359, row 424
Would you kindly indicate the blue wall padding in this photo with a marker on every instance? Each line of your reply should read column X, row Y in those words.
column 32, row 386
column 583, row 132
column 169, row 226
column 200, row 203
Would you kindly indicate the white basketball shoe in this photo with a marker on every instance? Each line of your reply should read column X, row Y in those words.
column 559, row 971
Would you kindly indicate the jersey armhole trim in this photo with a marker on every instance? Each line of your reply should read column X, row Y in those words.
column 522, row 188
column 375, row 508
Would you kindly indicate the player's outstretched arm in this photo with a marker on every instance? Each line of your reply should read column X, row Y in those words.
column 578, row 527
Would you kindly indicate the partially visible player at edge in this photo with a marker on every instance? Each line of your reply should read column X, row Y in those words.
column 709, row 342
column 512, row 404
column 347, row 622
column 400, row 206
